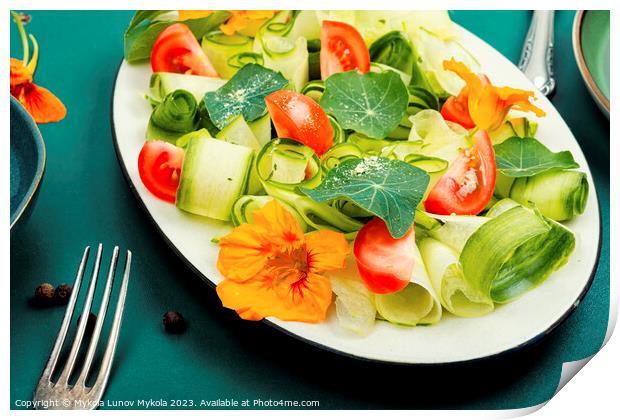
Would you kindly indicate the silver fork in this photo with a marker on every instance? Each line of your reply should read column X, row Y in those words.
column 62, row 395
column 537, row 54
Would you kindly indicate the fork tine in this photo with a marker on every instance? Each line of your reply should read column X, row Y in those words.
column 79, row 335
column 92, row 348
column 106, row 363
column 64, row 327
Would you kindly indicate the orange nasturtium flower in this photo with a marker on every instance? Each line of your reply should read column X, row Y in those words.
column 246, row 22
column 38, row 101
column 488, row 105
column 272, row 269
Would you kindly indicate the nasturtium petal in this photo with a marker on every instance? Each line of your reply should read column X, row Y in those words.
column 372, row 103
column 526, row 156
column 244, row 94
column 390, row 189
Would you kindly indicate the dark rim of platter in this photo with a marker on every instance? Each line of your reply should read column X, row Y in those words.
column 503, row 353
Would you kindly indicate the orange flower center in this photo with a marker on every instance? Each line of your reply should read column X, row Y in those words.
column 289, row 270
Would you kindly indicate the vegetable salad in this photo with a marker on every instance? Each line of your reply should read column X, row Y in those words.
column 362, row 159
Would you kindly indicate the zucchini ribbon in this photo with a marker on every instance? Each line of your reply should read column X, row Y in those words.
column 477, row 262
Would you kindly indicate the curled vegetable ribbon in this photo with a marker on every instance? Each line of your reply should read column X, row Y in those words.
column 272, row 269
column 245, row 21
column 40, row 103
column 488, row 105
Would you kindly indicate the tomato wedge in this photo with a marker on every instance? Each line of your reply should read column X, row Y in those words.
column 384, row 263
column 467, row 187
column 176, row 50
column 342, row 49
column 300, row 118
column 159, row 166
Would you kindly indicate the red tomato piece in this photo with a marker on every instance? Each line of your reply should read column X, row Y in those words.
column 342, row 49
column 467, row 187
column 300, row 118
column 159, row 166
column 384, row 263
column 176, row 50
column 455, row 109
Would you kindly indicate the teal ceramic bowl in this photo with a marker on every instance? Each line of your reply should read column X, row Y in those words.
column 591, row 45
column 27, row 162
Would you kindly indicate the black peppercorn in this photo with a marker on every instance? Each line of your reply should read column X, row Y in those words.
column 174, row 322
column 63, row 292
column 44, row 294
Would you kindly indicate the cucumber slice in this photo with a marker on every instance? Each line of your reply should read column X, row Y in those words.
column 340, row 153
column 214, row 175
column 239, row 60
column 244, row 207
column 306, row 24
column 399, row 133
column 288, row 166
column 503, row 184
column 314, row 45
column 380, row 68
column 262, row 129
column 339, row 134
column 220, row 47
column 314, row 64
column 175, row 115
column 429, row 164
column 284, row 49
column 405, row 307
column 238, row 132
column 184, row 140
column 558, row 194
column 520, row 126
column 504, row 132
column 288, row 57
column 314, row 90
column 163, row 83
column 415, row 304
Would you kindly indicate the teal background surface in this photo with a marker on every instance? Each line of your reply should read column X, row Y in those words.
column 85, row 200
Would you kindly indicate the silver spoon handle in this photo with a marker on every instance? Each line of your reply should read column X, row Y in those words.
column 537, row 55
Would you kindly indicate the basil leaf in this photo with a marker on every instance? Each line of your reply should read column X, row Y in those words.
column 526, row 156
column 390, row 189
column 372, row 104
column 244, row 94
column 143, row 30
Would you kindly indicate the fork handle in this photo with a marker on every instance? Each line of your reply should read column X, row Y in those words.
column 537, row 54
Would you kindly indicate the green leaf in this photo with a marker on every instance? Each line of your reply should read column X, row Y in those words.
column 143, row 30
column 144, row 15
column 372, row 103
column 244, row 94
column 526, row 156
column 390, row 189
column 395, row 50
